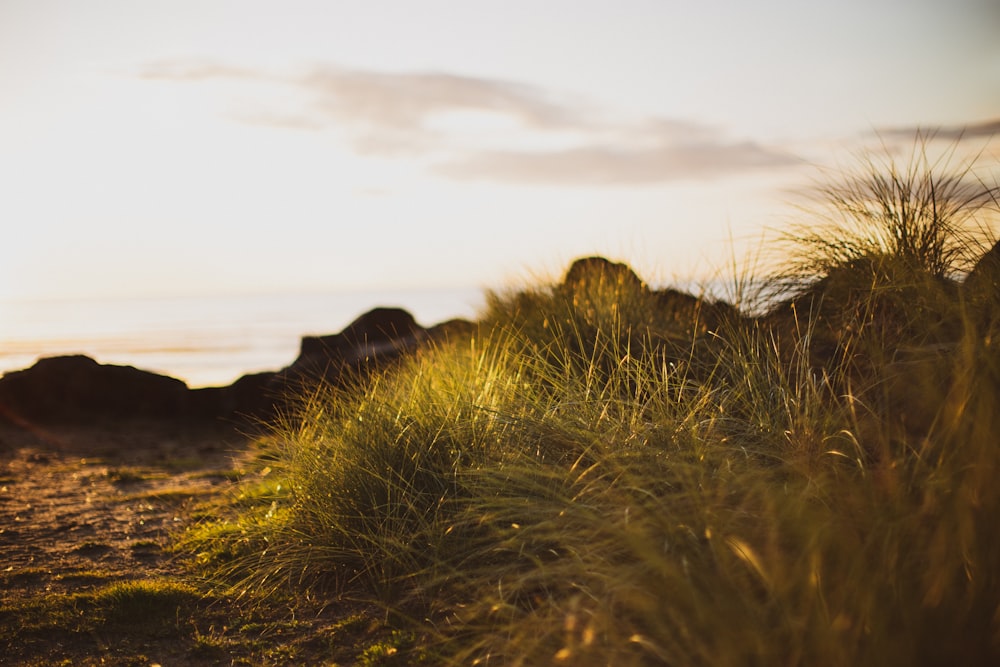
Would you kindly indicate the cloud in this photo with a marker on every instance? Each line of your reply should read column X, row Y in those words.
column 610, row 165
column 987, row 129
column 407, row 101
column 545, row 139
column 396, row 113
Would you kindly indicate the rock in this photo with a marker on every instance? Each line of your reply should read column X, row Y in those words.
column 982, row 286
column 378, row 336
column 247, row 399
column 77, row 388
column 694, row 314
column 981, row 294
column 382, row 325
column 451, row 330
column 589, row 269
column 698, row 313
column 915, row 385
column 373, row 330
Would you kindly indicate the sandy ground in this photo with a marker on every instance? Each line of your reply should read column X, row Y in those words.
column 75, row 500
column 84, row 507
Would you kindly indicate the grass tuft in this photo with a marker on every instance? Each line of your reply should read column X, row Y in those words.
column 605, row 473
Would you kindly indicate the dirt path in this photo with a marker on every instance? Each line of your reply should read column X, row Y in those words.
column 75, row 501
column 84, row 509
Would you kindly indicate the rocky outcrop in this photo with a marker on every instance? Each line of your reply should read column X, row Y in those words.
column 981, row 292
column 75, row 388
column 983, row 282
column 692, row 313
column 589, row 270
column 378, row 336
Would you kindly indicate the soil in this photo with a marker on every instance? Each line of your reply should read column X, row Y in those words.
column 77, row 498
column 82, row 507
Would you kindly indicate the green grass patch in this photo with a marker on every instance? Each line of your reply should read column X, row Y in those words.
column 151, row 602
column 86, row 577
column 145, row 606
column 92, row 548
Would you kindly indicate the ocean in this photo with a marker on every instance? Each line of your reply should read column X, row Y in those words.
column 203, row 340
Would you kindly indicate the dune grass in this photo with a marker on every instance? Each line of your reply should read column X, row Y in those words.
column 605, row 474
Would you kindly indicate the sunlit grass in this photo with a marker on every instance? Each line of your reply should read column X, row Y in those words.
column 607, row 475
column 931, row 210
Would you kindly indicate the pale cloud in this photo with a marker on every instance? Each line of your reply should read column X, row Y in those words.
column 393, row 113
column 408, row 100
column 610, row 165
column 988, row 129
column 387, row 114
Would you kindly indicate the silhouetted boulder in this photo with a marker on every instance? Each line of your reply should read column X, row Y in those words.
column 672, row 309
column 869, row 306
column 379, row 335
column 982, row 285
column 373, row 330
column 451, row 330
column 699, row 314
column 77, row 388
column 981, row 293
column 598, row 269
column 250, row 397
column 382, row 325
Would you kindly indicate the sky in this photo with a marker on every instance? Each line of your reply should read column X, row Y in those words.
column 180, row 147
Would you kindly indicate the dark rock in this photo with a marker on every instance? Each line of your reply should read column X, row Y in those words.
column 378, row 336
column 703, row 314
column 208, row 402
column 257, row 394
column 869, row 303
column 591, row 269
column 247, row 398
column 981, row 294
column 382, row 325
column 77, row 388
column 369, row 343
column 674, row 308
column 982, row 285
column 452, row 330
column 374, row 328
column 915, row 385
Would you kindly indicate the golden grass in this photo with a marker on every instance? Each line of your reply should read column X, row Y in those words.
column 595, row 479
